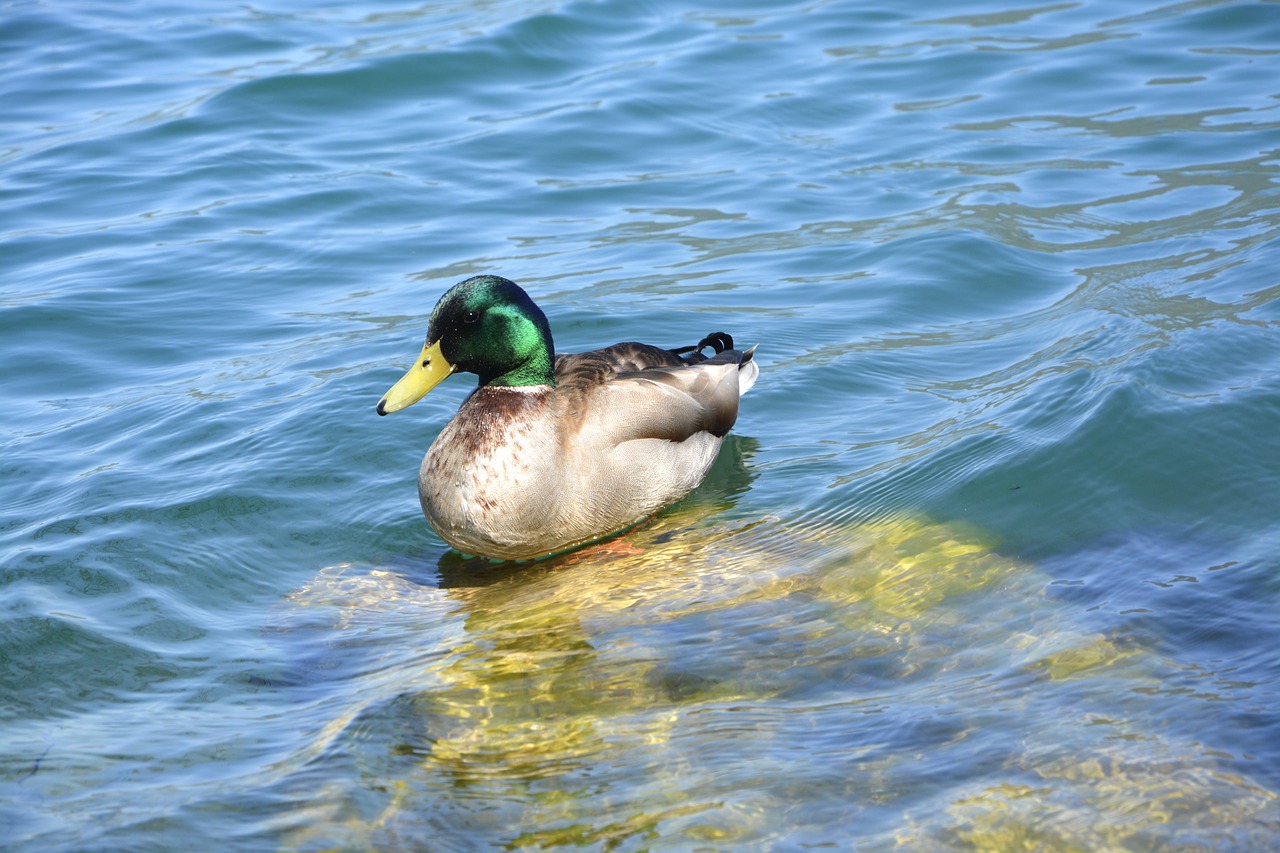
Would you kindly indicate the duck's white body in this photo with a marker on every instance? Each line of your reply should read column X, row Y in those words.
column 528, row 471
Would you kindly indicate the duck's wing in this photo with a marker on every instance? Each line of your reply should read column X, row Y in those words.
column 587, row 369
column 633, row 391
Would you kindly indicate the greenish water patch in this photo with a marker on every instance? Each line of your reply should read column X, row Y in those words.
column 589, row 698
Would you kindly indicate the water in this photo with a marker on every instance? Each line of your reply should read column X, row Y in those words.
column 990, row 562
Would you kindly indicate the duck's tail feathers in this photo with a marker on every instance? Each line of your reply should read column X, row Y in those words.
column 748, row 370
column 724, row 353
column 720, row 342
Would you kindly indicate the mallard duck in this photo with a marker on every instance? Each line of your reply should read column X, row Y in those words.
column 551, row 452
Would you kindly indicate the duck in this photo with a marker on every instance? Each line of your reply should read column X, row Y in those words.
column 551, row 452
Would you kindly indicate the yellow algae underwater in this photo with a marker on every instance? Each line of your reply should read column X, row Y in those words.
column 559, row 705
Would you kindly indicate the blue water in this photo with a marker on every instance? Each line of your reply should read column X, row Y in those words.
column 990, row 562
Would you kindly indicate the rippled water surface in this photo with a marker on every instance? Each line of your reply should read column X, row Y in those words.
column 989, row 563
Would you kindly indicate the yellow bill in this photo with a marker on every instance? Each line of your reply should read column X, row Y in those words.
column 428, row 371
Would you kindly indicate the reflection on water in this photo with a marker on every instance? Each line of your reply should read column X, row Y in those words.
column 586, row 700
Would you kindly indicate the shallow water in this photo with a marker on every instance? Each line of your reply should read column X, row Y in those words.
column 989, row 563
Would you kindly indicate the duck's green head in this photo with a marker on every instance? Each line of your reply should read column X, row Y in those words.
column 485, row 325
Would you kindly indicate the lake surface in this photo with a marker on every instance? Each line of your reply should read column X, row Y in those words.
column 990, row 562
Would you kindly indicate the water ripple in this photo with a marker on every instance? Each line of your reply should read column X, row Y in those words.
column 987, row 562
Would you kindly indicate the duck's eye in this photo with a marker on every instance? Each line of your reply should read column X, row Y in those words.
column 471, row 317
